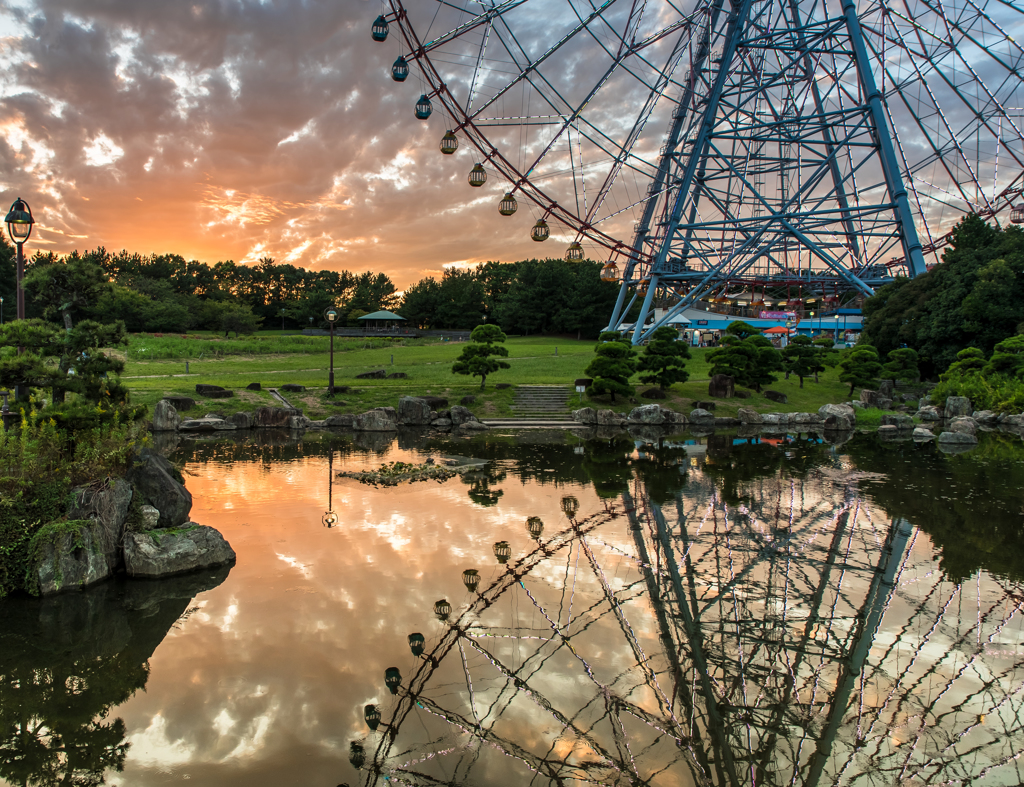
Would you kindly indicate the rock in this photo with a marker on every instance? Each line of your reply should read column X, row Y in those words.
column 888, row 431
column 413, row 411
column 321, row 424
column 473, row 426
column 435, row 402
column 749, row 416
column 701, row 417
column 150, row 518
column 293, row 388
column 957, row 438
column 886, row 389
column 165, row 417
column 379, row 419
column 869, row 398
column 957, row 406
column 726, row 421
column 837, row 409
column 749, row 430
column 444, row 424
column 1012, row 420
column 68, row 556
column 380, row 374
column 899, row 420
column 398, row 376
column 722, row 386
column 215, row 415
column 273, row 417
column 774, row 419
column 180, row 403
column 156, row 481
column 467, row 400
column 220, row 394
column 161, row 554
column 240, row 420
column 986, row 418
column 206, row 425
column 838, row 422
column 672, row 417
column 585, row 415
column 461, row 415
column 299, row 422
column 650, row 414
column 206, row 390
column 609, row 418
column 882, row 403
column 806, row 418
column 709, row 406
column 922, row 435
column 928, row 412
column 964, row 424
column 502, row 386
column 254, row 387
column 343, row 421
column 775, row 396
column 742, row 394
column 654, row 393
column 857, row 405
column 107, row 504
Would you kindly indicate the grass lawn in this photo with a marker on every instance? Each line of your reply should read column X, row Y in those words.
column 156, row 368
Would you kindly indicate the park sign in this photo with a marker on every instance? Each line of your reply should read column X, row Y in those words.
column 778, row 315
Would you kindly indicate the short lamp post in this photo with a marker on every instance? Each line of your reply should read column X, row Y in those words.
column 1, row 310
column 19, row 227
column 282, row 320
column 331, row 316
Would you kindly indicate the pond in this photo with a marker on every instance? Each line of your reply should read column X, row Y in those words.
column 674, row 610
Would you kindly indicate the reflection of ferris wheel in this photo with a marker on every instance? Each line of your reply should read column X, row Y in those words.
column 761, row 146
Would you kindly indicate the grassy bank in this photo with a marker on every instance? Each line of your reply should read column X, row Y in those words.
column 232, row 363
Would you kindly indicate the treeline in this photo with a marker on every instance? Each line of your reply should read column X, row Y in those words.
column 167, row 293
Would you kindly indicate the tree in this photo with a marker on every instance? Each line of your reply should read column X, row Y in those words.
column 766, row 360
column 67, row 289
column 742, row 330
column 478, row 358
column 614, row 365
column 663, row 361
column 231, row 316
column 860, row 367
column 802, row 358
column 751, row 361
column 968, row 361
column 901, row 364
column 420, row 301
column 1007, row 358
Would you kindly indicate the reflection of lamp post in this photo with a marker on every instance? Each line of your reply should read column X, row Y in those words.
column 330, row 519
column 331, row 316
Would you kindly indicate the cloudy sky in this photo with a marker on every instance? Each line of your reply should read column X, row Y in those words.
column 232, row 129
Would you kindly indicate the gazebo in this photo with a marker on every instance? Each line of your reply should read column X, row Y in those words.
column 382, row 322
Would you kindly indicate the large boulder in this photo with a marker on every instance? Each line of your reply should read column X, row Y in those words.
column 929, row 412
column 413, row 411
column 473, row 426
column 837, row 409
column 775, row 419
column 585, row 415
column 1012, row 420
column 165, row 553
column 883, row 403
column 299, row 422
column 722, row 386
column 158, row 484
column 273, row 417
column 293, row 388
column 986, row 418
column 957, row 438
column 957, row 406
column 922, row 435
column 180, row 403
column 106, row 504
column 672, row 417
column 461, row 415
column 204, row 389
column 206, row 425
column 776, row 396
column 964, row 424
column 379, row 419
column 609, row 418
column 650, row 414
column 749, row 416
column 68, row 556
column 899, row 420
column 806, row 418
column 165, row 417
column 240, row 420
column 653, row 393
column 886, row 389
column 343, row 421
column 700, row 417
column 838, row 423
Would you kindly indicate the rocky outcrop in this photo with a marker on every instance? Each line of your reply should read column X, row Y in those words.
column 649, row 414
column 106, row 505
column 254, row 387
column 965, row 425
column 722, row 386
column 957, row 406
column 442, row 424
column 180, row 403
column 273, row 417
column 413, row 411
column 749, row 416
column 240, row 420
column 986, row 418
column 609, row 418
column 585, row 415
column 165, row 417
column 344, row 421
column 156, row 481
column 929, row 412
column 299, row 422
column 163, row 553
column 68, row 556
column 461, row 415
column 846, row 410
column 838, row 423
column 701, row 417
column 806, row 418
column 869, row 398
column 206, row 424
column 379, row 419
column 473, row 426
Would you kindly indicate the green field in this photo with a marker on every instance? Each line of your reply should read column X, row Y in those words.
column 156, row 368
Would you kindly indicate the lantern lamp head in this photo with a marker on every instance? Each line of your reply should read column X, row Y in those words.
column 400, row 69
column 471, row 579
column 392, row 679
column 372, row 716
column 541, row 231
column 442, row 609
column 416, row 642
column 477, row 176
column 449, row 143
column 379, row 31
column 331, row 315
column 19, row 221
column 502, row 551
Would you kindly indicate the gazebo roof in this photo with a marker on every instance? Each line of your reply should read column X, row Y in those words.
column 382, row 315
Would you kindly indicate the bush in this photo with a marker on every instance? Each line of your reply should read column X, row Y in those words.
column 997, row 392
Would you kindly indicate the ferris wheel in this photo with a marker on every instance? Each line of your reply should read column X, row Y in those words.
column 772, row 147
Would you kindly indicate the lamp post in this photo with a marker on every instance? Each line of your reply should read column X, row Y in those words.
column 19, row 227
column 1, row 310
column 331, row 316
column 282, row 320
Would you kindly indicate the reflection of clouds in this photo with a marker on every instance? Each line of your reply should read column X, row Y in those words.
column 152, row 747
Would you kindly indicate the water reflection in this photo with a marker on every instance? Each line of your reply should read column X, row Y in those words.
column 651, row 609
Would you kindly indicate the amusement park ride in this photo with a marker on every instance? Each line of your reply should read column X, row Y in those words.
column 772, row 150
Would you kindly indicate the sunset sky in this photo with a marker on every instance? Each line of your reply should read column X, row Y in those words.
column 234, row 129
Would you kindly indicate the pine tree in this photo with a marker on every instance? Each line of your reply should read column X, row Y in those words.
column 614, row 365
column 663, row 361
column 477, row 358
column 901, row 364
column 802, row 358
column 860, row 367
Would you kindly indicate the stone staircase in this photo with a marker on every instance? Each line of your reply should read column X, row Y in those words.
column 538, row 405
